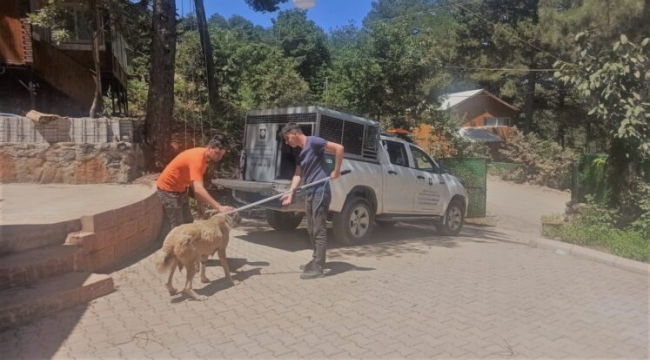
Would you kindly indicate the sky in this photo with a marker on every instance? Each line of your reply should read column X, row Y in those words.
column 328, row 14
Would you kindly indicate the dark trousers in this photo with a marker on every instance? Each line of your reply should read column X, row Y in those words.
column 317, row 206
column 177, row 207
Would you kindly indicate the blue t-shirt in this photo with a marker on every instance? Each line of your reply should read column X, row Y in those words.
column 312, row 160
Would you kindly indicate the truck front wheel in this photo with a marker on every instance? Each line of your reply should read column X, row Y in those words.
column 454, row 219
column 353, row 225
column 283, row 221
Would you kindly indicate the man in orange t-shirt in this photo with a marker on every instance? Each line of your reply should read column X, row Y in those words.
column 187, row 170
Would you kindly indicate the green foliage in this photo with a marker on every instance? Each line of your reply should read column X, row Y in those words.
column 251, row 75
column 590, row 176
column 265, row 5
column 301, row 40
column 616, row 81
column 501, row 169
column 642, row 202
column 596, row 228
column 541, row 162
column 382, row 76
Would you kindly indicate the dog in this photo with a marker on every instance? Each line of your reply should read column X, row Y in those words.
column 190, row 245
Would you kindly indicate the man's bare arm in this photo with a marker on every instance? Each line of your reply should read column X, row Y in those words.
column 338, row 156
column 203, row 195
column 295, row 181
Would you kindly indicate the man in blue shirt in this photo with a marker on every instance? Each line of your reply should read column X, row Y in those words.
column 312, row 167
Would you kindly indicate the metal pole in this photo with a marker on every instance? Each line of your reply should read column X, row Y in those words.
column 283, row 194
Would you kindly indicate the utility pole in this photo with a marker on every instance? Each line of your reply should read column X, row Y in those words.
column 206, row 46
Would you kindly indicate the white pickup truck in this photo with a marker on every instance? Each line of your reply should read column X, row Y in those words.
column 390, row 180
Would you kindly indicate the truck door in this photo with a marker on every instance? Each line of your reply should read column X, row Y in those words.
column 398, row 179
column 261, row 149
column 431, row 190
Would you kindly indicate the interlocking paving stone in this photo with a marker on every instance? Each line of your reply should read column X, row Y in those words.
column 422, row 296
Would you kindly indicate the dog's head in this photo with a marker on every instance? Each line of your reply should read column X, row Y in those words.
column 233, row 219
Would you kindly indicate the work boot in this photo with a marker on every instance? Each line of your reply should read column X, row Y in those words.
column 307, row 265
column 314, row 272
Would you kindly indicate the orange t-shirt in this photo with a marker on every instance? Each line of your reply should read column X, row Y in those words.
column 186, row 168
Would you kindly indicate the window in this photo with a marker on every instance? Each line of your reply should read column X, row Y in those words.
column 423, row 161
column 353, row 138
column 396, row 153
column 76, row 22
column 497, row 121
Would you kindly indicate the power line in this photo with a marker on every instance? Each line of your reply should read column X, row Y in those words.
column 498, row 69
column 508, row 32
column 422, row 12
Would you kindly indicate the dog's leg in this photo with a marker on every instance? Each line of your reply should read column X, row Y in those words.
column 191, row 270
column 204, row 279
column 224, row 264
column 170, row 287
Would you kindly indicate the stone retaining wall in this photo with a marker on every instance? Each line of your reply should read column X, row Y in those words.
column 109, row 237
column 70, row 163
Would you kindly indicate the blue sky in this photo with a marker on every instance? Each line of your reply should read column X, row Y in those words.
column 327, row 13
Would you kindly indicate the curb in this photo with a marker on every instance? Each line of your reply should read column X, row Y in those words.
column 593, row 255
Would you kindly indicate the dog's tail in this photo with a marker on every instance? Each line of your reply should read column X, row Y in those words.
column 164, row 259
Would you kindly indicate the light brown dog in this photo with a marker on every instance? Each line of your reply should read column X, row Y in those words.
column 188, row 245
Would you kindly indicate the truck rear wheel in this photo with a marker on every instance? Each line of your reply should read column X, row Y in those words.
column 283, row 221
column 353, row 225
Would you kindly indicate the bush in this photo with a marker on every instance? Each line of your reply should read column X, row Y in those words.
column 541, row 162
column 640, row 204
column 596, row 228
column 501, row 169
column 591, row 178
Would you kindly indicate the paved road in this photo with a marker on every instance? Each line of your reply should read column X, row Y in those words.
column 409, row 294
column 520, row 207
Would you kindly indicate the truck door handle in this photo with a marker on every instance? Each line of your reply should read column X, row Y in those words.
column 420, row 177
column 442, row 183
column 392, row 172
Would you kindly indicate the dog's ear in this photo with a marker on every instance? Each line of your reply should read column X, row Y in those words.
column 234, row 219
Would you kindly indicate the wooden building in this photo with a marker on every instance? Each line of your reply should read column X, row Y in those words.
column 487, row 119
column 37, row 73
column 482, row 110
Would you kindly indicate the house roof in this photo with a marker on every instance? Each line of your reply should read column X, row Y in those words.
column 453, row 99
column 475, row 134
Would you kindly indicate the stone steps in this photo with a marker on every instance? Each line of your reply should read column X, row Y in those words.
column 15, row 238
column 21, row 304
column 32, row 265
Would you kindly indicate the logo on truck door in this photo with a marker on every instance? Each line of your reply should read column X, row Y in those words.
column 262, row 134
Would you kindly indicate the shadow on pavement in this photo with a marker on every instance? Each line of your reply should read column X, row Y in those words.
column 339, row 267
column 400, row 239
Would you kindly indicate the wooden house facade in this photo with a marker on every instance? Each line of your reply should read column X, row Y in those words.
column 38, row 74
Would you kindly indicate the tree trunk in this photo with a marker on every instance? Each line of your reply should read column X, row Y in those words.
column 94, row 23
column 645, row 24
column 206, row 46
column 529, row 107
column 160, row 100
column 561, row 126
